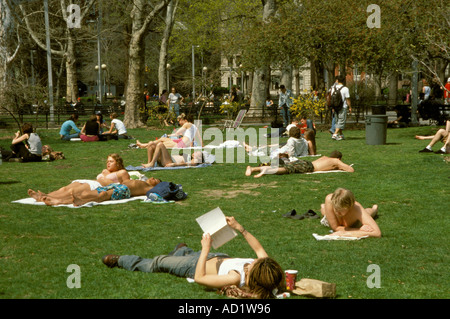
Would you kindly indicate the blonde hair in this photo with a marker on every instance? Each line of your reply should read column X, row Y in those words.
column 342, row 199
column 266, row 277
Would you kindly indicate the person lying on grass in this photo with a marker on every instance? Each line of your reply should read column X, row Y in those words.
column 346, row 217
column 115, row 172
column 321, row 164
column 82, row 195
column 158, row 153
column 127, row 189
column 260, row 278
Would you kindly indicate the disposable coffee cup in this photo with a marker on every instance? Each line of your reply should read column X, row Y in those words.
column 291, row 278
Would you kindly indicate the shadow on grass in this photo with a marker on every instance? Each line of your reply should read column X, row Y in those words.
column 9, row 182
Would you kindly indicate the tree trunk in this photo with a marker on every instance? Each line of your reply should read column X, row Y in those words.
column 163, row 58
column 260, row 76
column 136, row 55
column 71, row 72
column 393, row 85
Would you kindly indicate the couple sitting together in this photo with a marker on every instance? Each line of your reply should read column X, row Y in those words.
column 186, row 136
column 113, row 183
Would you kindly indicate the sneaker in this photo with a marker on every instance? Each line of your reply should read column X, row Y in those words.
column 111, row 260
column 339, row 138
column 426, row 150
column 334, row 136
column 440, row 152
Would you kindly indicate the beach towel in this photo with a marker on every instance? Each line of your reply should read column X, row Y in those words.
column 32, row 201
column 158, row 168
column 331, row 237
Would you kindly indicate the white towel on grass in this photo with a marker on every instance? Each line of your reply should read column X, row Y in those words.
column 334, row 237
column 32, row 201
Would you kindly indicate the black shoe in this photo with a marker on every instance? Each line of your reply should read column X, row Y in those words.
column 425, row 150
column 440, row 152
column 310, row 214
column 290, row 214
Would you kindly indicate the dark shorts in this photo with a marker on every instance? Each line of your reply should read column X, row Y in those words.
column 119, row 191
column 299, row 167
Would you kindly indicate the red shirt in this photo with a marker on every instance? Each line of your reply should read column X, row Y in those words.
column 446, row 93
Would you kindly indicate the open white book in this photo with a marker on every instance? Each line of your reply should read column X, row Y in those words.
column 215, row 224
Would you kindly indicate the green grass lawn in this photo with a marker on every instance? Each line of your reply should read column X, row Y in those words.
column 39, row 243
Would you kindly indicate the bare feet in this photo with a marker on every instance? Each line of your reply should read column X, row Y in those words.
column 141, row 145
column 36, row 195
column 248, row 172
column 148, row 165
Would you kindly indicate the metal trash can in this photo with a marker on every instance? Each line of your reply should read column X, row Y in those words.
column 376, row 129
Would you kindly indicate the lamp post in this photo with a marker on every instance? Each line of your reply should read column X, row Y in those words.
column 49, row 61
column 167, row 79
column 204, row 70
column 193, row 72
column 104, row 79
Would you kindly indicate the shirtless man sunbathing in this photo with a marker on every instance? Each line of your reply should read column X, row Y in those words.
column 135, row 187
column 322, row 164
column 80, row 196
column 346, row 217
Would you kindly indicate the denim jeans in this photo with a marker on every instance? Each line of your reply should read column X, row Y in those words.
column 68, row 137
column 286, row 115
column 333, row 122
column 175, row 107
column 181, row 262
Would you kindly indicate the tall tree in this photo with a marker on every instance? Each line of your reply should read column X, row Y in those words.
column 163, row 53
column 141, row 18
column 61, row 33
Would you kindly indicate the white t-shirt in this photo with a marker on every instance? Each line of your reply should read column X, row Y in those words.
column 120, row 127
column 236, row 264
column 345, row 93
column 295, row 147
column 174, row 98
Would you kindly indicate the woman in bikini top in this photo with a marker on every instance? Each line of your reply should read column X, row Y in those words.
column 115, row 171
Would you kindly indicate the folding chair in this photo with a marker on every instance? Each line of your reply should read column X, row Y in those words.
column 237, row 122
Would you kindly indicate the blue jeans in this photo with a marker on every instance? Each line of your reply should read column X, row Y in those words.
column 68, row 137
column 333, row 122
column 175, row 107
column 181, row 262
column 286, row 115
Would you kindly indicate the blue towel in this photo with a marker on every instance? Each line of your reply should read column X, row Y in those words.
column 157, row 168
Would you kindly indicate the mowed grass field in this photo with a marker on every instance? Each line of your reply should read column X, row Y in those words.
column 39, row 243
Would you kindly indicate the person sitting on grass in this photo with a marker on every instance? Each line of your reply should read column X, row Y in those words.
column 296, row 146
column 26, row 147
column 68, row 126
column 158, row 153
column 441, row 135
column 117, row 127
column 90, row 130
column 114, row 173
column 260, row 278
column 186, row 136
column 322, row 164
column 346, row 217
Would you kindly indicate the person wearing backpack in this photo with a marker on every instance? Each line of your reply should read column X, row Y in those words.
column 340, row 102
